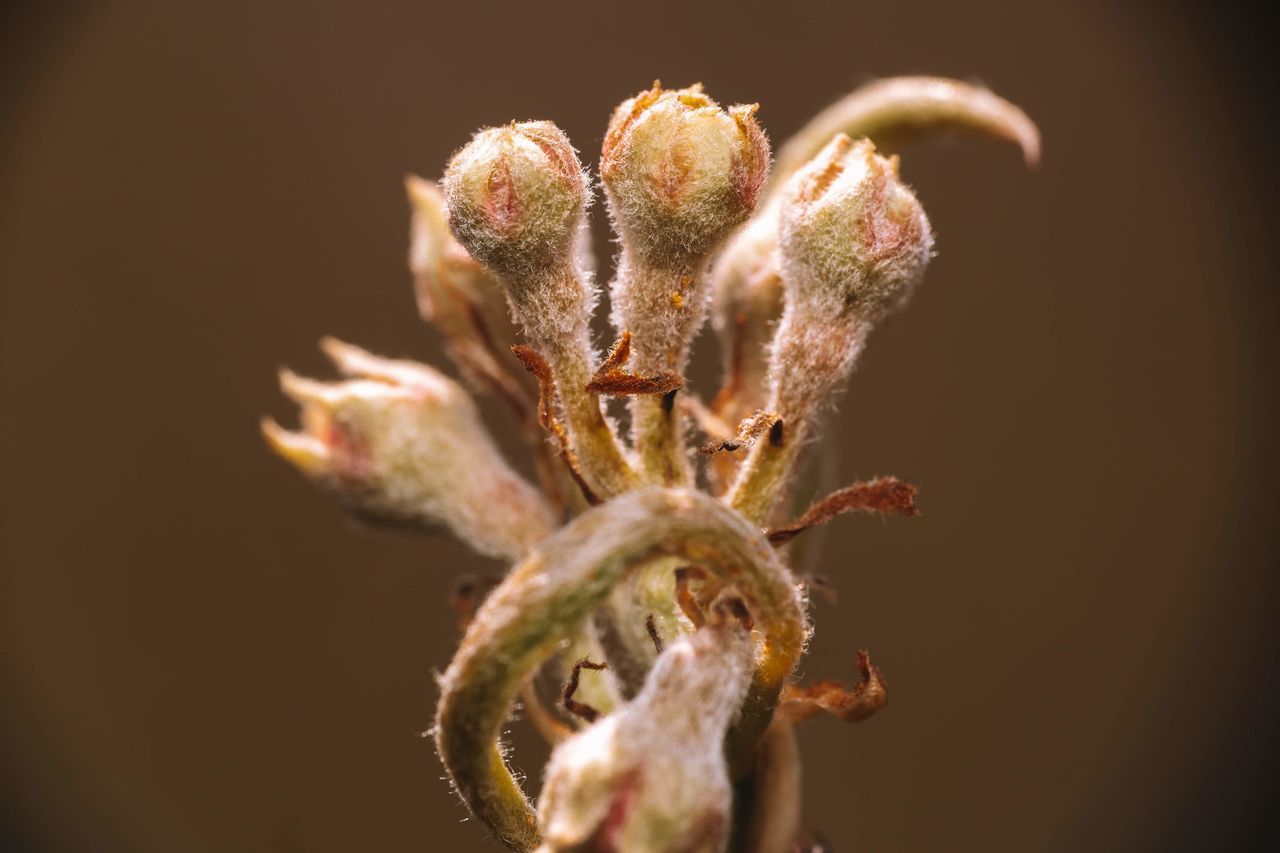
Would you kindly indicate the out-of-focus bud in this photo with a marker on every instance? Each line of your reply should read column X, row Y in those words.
column 652, row 775
column 853, row 236
column 680, row 172
column 516, row 197
column 401, row 442
column 461, row 298
column 747, row 297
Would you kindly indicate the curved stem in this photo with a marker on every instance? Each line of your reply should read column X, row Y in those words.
column 550, row 595
column 890, row 111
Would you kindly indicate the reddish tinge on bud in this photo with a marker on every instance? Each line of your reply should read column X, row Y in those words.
column 852, row 234
column 853, row 243
column 516, row 197
column 402, row 443
column 680, row 172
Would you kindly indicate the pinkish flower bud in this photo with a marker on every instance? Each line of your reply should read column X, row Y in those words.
column 853, row 243
column 516, row 198
column 680, row 172
column 402, row 442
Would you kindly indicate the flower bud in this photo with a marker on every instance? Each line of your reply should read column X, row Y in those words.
column 401, row 442
column 461, row 298
column 652, row 776
column 681, row 173
column 516, row 198
column 746, row 299
column 853, row 236
column 853, row 243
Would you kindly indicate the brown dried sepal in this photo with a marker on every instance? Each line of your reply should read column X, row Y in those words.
column 884, row 495
column 748, row 432
column 613, row 381
column 800, row 702
column 537, row 365
column 573, row 706
column 691, row 603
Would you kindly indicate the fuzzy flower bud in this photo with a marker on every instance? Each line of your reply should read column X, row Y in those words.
column 681, row 173
column 652, row 776
column 516, row 198
column 853, row 243
column 460, row 297
column 401, row 442
column 854, row 237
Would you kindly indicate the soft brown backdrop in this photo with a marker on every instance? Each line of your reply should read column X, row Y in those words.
column 199, row 654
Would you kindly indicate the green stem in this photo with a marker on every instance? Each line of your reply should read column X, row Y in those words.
column 548, row 597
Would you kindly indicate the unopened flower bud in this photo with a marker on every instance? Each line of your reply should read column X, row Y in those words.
column 460, row 297
column 853, row 236
column 401, row 442
column 652, row 776
column 681, row 173
column 853, row 243
column 516, row 197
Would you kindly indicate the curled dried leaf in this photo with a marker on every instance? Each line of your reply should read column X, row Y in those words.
column 883, row 495
column 853, row 705
column 614, row 381
column 573, row 706
column 748, row 431
column 537, row 365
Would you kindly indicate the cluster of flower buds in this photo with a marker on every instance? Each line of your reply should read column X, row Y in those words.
column 667, row 610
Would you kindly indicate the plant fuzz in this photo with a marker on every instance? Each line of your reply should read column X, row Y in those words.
column 650, row 625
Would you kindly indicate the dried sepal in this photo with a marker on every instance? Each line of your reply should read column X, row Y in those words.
column 613, row 380
column 749, row 430
column 884, row 495
column 652, row 776
column 402, row 443
column 582, row 710
column 549, row 597
column 548, row 420
column 851, row 704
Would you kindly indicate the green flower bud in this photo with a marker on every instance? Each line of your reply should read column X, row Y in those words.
column 516, row 197
column 853, row 236
column 680, row 172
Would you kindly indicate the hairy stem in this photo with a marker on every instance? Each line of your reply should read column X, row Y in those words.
column 548, row 597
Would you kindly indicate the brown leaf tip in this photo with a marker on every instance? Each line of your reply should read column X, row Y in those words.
column 885, row 495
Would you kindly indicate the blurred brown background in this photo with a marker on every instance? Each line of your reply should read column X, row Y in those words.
column 199, row 654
